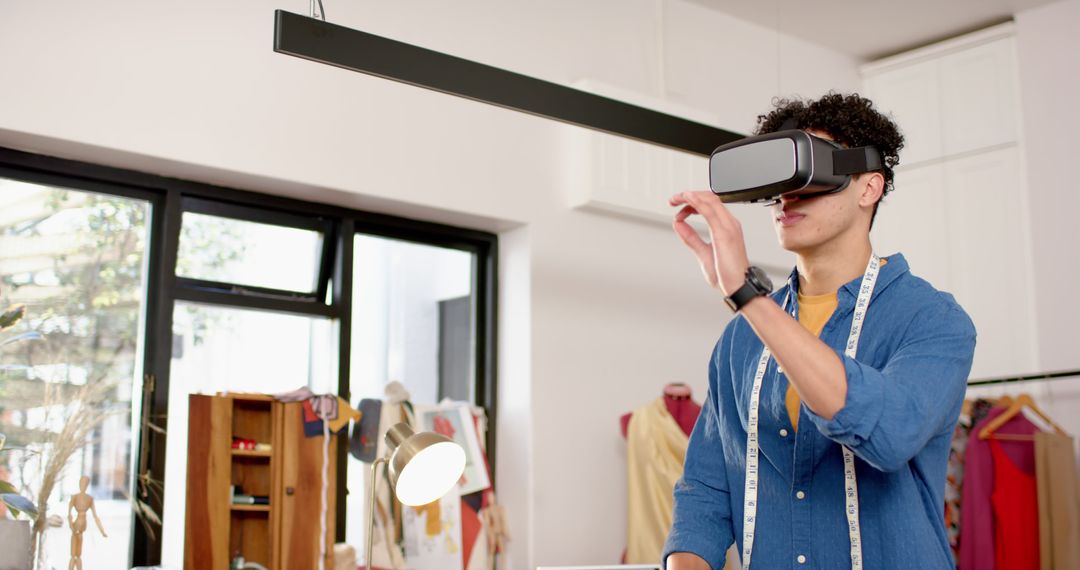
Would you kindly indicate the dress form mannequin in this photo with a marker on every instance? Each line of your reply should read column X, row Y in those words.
column 81, row 503
column 658, row 436
column 679, row 404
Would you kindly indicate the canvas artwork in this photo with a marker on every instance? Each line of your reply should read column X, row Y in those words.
column 433, row 534
column 455, row 422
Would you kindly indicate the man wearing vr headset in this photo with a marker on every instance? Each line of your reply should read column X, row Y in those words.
column 832, row 401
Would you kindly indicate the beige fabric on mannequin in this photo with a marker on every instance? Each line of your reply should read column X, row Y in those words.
column 656, row 447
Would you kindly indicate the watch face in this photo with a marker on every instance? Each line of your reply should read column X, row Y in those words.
column 757, row 277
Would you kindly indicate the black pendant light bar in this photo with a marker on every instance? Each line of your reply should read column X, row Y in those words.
column 339, row 46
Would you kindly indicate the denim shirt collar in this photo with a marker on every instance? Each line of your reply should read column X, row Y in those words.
column 847, row 294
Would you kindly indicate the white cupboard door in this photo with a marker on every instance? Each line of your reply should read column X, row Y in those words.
column 988, row 238
column 978, row 97
column 912, row 220
column 910, row 95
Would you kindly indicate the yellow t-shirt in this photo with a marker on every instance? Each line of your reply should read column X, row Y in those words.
column 814, row 312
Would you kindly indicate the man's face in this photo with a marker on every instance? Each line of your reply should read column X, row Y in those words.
column 805, row 225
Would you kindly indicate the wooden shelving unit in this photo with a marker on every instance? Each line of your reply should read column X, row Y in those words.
column 282, row 535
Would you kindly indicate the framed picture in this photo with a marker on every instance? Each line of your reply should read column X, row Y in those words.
column 455, row 421
column 433, row 534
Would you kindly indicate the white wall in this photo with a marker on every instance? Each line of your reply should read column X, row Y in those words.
column 1048, row 48
column 596, row 312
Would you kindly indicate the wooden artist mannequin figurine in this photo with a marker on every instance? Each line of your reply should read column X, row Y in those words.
column 81, row 503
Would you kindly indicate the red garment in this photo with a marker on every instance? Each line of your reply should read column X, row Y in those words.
column 977, row 511
column 1016, row 514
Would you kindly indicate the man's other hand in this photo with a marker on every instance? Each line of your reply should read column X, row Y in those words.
column 686, row 561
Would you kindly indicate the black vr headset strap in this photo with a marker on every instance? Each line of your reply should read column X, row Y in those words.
column 856, row 160
column 789, row 123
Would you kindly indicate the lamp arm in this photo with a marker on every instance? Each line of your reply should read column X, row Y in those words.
column 371, row 507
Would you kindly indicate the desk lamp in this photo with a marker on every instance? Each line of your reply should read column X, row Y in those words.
column 423, row 467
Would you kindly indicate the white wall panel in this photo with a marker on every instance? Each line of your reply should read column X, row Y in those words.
column 913, row 221
column 988, row 251
column 979, row 107
column 1048, row 51
column 910, row 95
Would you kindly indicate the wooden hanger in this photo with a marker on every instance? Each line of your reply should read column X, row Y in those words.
column 1022, row 401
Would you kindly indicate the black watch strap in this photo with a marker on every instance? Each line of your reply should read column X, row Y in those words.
column 757, row 284
column 742, row 296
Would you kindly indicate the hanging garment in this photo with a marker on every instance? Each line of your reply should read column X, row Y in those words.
column 977, row 531
column 656, row 447
column 1059, row 503
column 365, row 433
column 1016, row 514
column 954, row 474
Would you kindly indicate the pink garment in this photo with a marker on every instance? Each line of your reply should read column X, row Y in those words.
column 976, row 509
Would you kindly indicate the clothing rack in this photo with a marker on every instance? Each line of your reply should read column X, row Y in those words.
column 1029, row 378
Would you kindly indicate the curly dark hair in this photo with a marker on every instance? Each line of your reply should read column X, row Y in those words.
column 851, row 120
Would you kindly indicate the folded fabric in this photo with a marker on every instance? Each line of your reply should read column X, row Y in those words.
column 335, row 410
column 344, row 413
column 297, row 395
column 313, row 426
column 325, row 407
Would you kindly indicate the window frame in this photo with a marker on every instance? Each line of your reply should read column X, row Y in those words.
column 169, row 198
column 252, row 296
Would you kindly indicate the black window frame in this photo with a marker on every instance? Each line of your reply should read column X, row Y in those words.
column 170, row 197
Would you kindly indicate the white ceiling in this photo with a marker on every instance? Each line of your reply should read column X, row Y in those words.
column 870, row 29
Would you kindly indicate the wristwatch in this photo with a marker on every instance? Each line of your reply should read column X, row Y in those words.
column 757, row 285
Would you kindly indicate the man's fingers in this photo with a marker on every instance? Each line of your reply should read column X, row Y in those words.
column 721, row 222
column 677, row 199
column 685, row 212
column 685, row 197
column 689, row 235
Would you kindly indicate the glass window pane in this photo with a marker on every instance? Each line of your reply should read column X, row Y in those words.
column 413, row 321
column 248, row 253
column 218, row 349
column 77, row 261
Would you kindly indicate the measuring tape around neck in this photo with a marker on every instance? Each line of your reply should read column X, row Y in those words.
column 851, row 490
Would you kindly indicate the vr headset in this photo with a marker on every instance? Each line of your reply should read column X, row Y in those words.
column 791, row 163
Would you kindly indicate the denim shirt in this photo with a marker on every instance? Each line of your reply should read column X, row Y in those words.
column 904, row 392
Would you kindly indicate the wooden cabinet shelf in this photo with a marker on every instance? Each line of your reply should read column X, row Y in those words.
column 251, row 508
column 282, row 535
column 250, row 453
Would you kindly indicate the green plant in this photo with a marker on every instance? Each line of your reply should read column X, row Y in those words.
column 11, row 498
column 9, row 495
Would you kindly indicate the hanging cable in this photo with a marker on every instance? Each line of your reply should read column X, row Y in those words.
column 317, row 11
